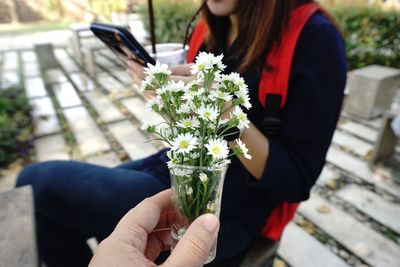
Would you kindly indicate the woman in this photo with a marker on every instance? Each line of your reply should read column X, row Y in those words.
column 75, row 201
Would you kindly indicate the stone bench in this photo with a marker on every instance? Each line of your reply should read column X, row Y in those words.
column 371, row 90
column 387, row 140
column 17, row 234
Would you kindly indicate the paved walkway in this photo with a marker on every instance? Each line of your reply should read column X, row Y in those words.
column 351, row 219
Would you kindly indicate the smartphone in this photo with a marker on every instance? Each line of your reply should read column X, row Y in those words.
column 121, row 42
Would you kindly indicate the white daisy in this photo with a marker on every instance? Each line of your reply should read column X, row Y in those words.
column 184, row 108
column 152, row 70
column 189, row 190
column 203, row 177
column 243, row 149
column 154, row 104
column 184, row 143
column 241, row 116
column 176, row 86
column 217, row 148
column 220, row 94
column 244, row 98
column 208, row 113
column 188, row 123
column 207, row 61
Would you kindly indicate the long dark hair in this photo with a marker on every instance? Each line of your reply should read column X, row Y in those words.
column 260, row 25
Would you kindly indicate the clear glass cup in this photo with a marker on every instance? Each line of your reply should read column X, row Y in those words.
column 196, row 191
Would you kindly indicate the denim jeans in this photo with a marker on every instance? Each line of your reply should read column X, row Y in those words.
column 75, row 201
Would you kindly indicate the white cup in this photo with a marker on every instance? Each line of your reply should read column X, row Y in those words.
column 169, row 53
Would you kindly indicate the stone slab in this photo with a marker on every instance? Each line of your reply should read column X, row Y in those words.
column 360, row 169
column 17, row 229
column 108, row 159
column 326, row 176
column 70, row 66
column 66, row 95
column 61, row 54
column 112, row 85
column 83, row 82
column 359, row 130
column 34, row 87
column 136, row 106
column 89, row 137
column 300, row 249
column 55, row 75
column 124, row 77
column 10, row 61
column 385, row 212
column 46, row 57
column 107, row 111
column 31, row 69
column 29, row 56
column 370, row 246
column 44, row 116
column 51, row 147
column 351, row 143
column 9, row 78
column 132, row 141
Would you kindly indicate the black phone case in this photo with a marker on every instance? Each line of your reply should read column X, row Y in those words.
column 120, row 40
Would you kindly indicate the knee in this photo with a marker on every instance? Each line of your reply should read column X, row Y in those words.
column 40, row 176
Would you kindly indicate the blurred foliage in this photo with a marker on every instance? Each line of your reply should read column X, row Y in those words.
column 372, row 35
column 171, row 18
column 104, row 8
column 15, row 125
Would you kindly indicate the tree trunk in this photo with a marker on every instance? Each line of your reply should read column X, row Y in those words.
column 13, row 11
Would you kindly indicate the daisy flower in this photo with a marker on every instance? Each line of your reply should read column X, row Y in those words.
column 244, row 98
column 208, row 113
column 241, row 116
column 217, row 148
column 184, row 143
column 153, row 70
column 207, row 61
column 153, row 104
column 203, row 177
column 189, row 190
column 242, row 149
column 188, row 123
column 221, row 95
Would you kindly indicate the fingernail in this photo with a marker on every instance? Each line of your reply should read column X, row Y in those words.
column 211, row 223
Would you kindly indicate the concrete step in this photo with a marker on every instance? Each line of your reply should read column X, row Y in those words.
column 360, row 169
column 299, row 249
column 383, row 211
column 131, row 140
column 362, row 241
column 89, row 137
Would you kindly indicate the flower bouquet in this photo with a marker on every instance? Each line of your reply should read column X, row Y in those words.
column 198, row 117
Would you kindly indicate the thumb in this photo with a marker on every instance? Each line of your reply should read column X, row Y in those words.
column 195, row 245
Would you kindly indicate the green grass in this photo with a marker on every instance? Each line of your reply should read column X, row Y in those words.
column 32, row 27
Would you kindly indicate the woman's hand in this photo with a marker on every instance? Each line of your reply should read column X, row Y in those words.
column 179, row 73
column 145, row 231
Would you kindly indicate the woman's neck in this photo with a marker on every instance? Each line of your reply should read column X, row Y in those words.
column 233, row 32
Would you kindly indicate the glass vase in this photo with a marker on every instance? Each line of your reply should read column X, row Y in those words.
column 196, row 191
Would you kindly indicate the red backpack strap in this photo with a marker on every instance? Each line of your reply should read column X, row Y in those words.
column 280, row 58
column 196, row 40
column 276, row 83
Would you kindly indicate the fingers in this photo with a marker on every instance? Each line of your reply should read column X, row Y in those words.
column 141, row 220
column 181, row 70
column 185, row 79
column 194, row 247
column 136, row 71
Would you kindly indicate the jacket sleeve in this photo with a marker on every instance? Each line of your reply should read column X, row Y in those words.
column 314, row 100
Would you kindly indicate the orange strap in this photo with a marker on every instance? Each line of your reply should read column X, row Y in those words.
column 197, row 39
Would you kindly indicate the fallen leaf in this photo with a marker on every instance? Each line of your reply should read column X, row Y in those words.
column 368, row 155
column 332, row 184
column 279, row 263
column 323, row 209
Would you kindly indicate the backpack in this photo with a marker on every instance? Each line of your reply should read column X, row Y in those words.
column 272, row 92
